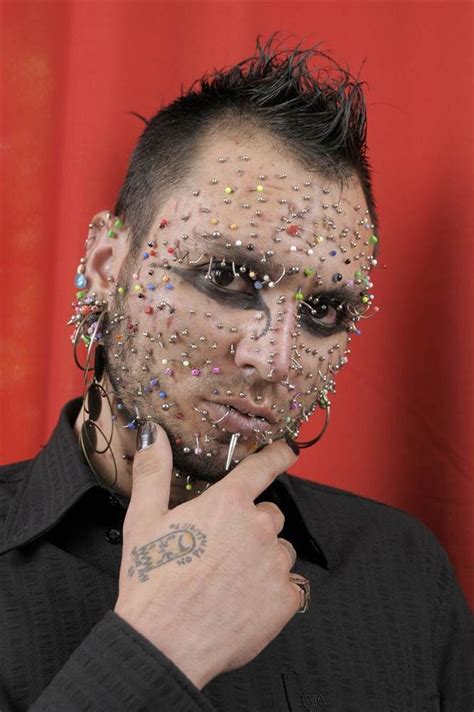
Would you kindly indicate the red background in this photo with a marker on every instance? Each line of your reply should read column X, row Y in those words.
column 401, row 429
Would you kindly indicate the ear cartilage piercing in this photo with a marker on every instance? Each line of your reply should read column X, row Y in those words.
column 230, row 453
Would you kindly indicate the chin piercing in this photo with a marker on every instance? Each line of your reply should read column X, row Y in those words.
column 232, row 445
column 198, row 448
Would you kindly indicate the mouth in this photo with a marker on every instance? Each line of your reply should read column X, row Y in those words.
column 234, row 421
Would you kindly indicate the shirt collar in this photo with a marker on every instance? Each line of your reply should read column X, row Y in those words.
column 59, row 476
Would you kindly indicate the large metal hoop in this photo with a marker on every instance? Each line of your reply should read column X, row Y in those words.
column 309, row 443
column 86, row 368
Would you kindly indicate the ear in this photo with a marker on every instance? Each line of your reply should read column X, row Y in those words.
column 107, row 248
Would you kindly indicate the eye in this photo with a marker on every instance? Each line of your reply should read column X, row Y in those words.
column 230, row 277
column 324, row 314
column 222, row 275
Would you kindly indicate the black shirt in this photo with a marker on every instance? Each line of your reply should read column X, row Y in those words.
column 388, row 627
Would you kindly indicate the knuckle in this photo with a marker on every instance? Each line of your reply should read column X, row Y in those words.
column 266, row 526
column 289, row 552
column 274, row 511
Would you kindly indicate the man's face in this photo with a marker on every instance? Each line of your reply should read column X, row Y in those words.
column 241, row 301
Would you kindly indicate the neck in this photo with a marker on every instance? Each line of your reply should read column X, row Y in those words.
column 114, row 466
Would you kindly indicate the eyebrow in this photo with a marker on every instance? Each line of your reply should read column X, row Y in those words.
column 240, row 256
column 270, row 266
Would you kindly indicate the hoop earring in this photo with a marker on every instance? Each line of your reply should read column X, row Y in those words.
column 93, row 395
column 323, row 403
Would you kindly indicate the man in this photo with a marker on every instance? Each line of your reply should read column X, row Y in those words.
column 215, row 307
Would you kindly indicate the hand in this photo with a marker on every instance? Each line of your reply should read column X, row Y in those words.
column 208, row 581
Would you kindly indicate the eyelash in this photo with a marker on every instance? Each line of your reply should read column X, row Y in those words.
column 343, row 316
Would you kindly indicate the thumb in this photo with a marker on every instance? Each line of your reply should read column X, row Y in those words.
column 152, row 469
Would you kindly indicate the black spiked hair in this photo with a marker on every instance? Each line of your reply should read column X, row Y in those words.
column 318, row 114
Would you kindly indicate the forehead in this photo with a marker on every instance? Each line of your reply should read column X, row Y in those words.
column 251, row 196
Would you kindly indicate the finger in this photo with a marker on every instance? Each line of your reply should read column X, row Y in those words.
column 290, row 549
column 152, row 469
column 275, row 512
column 258, row 471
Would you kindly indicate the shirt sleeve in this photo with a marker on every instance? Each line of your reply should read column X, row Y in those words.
column 116, row 668
column 453, row 640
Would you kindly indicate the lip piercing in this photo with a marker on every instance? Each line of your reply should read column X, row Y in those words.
column 214, row 422
column 232, row 445
column 203, row 412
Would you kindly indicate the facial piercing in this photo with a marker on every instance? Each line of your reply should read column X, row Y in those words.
column 232, row 445
column 215, row 422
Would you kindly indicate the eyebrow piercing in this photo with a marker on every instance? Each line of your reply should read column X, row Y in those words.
column 195, row 262
column 273, row 284
column 208, row 275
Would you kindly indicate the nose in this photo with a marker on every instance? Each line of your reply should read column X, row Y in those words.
column 267, row 344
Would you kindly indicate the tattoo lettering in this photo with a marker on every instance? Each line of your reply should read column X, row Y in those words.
column 185, row 543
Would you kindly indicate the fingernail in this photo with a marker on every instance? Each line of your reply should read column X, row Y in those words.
column 146, row 435
column 291, row 443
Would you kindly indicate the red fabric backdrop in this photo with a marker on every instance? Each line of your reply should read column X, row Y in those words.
column 402, row 427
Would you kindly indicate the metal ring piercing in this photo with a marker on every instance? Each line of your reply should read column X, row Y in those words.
column 93, row 394
column 309, row 443
column 215, row 422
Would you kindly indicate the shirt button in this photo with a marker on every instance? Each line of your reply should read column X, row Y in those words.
column 114, row 536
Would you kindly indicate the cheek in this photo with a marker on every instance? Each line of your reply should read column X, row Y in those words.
column 320, row 359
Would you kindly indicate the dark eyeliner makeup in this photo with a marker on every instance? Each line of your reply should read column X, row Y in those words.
column 204, row 279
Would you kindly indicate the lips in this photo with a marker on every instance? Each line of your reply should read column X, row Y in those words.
column 235, row 421
column 251, row 409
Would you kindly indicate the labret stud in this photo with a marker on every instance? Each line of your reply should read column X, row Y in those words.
column 230, row 452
